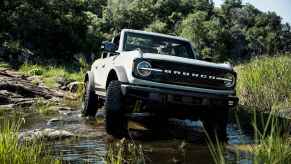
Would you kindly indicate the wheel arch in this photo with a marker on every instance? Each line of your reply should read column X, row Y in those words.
column 117, row 73
column 89, row 76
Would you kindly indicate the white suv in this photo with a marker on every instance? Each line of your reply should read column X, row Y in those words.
column 161, row 74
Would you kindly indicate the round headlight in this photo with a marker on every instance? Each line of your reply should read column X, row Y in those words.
column 144, row 68
column 229, row 80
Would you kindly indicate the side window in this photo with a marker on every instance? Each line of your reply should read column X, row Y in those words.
column 104, row 55
column 116, row 40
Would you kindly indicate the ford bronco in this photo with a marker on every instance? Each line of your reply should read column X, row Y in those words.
column 161, row 73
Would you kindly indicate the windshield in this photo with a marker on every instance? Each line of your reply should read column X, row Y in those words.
column 158, row 45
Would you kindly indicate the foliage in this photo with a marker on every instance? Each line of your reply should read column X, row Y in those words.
column 12, row 151
column 265, row 82
column 52, row 28
column 61, row 29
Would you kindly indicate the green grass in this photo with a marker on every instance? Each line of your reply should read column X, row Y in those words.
column 4, row 65
column 265, row 83
column 44, row 107
column 50, row 74
column 271, row 147
column 12, row 151
column 124, row 151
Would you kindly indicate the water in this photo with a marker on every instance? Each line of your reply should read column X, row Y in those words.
column 182, row 142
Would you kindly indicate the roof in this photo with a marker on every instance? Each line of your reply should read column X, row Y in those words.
column 154, row 33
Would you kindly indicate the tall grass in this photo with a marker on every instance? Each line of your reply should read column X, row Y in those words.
column 217, row 150
column 265, row 83
column 271, row 147
column 124, row 152
column 12, row 151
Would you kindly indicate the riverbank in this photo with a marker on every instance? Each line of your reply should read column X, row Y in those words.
column 264, row 83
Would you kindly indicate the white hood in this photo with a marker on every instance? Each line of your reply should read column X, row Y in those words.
column 187, row 61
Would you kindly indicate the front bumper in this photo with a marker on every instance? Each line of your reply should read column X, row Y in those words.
column 166, row 95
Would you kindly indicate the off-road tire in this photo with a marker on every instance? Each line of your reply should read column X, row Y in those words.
column 115, row 120
column 89, row 102
column 215, row 124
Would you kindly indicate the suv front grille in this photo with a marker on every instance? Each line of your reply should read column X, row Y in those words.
column 188, row 75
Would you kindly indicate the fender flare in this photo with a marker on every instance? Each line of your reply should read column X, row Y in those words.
column 121, row 74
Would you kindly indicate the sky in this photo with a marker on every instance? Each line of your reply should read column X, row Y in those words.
column 281, row 7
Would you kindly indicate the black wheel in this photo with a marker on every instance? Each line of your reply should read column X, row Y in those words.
column 215, row 123
column 89, row 102
column 115, row 121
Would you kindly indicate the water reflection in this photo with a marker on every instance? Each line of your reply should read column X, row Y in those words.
column 181, row 142
column 171, row 149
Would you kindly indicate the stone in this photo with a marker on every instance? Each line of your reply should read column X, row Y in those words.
column 54, row 121
column 74, row 86
column 62, row 81
column 45, row 134
column 100, row 114
column 22, row 91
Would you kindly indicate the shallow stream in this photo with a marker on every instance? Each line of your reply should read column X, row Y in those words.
column 183, row 141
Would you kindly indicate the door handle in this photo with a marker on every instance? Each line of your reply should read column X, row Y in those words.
column 103, row 66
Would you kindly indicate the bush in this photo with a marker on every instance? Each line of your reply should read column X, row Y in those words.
column 264, row 83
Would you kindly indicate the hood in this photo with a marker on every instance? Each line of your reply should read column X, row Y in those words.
column 182, row 60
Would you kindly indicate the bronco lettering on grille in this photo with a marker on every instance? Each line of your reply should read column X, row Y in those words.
column 195, row 75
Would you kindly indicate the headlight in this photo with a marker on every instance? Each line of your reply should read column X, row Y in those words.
column 229, row 80
column 144, row 68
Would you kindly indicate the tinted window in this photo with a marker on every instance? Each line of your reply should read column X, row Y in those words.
column 157, row 45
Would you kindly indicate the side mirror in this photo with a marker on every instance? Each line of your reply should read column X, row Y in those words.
column 109, row 47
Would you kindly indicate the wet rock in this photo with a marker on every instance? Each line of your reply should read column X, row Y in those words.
column 71, row 96
column 35, row 80
column 22, row 91
column 55, row 121
column 74, row 86
column 7, row 107
column 7, row 94
column 24, row 102
column 100, row 114
column 64, row 108
column 67, row 111
column 69, row 119
column 4, row 100
column 62, row 81
column 45, row 134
